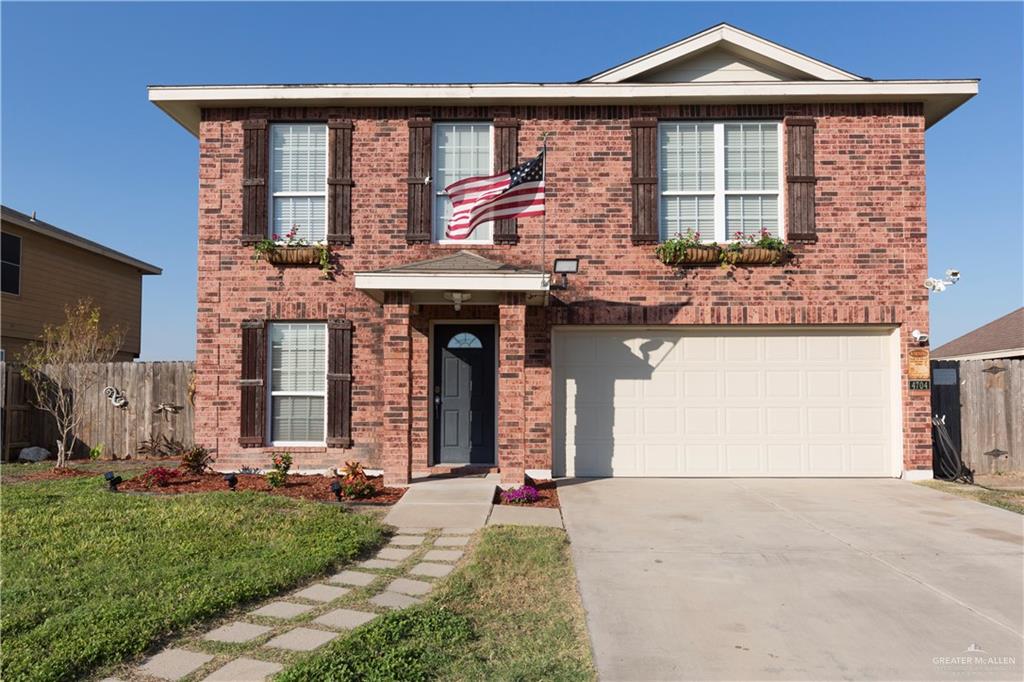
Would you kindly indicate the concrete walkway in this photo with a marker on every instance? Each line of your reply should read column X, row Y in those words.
column 279, row 632
column 446, row 503
column 795, row 580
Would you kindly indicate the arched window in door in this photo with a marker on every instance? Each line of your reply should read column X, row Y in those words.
column 464, row 340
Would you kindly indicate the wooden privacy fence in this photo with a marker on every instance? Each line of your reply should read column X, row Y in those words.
column 992, row 415
column 158, row 403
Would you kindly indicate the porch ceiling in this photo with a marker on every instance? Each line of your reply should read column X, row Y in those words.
column 465, row 272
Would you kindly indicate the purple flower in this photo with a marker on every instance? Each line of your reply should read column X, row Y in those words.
column 521, row 495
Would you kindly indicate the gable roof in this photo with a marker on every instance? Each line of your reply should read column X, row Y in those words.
column 724, row 36
column 1001, row 338
column 30, row 223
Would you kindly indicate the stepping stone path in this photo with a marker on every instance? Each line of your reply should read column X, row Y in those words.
column 250, row 648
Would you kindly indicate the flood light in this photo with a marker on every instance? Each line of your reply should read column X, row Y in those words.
column 231, row 480
column 336, row 489
column 565, row 267
column 113, row 480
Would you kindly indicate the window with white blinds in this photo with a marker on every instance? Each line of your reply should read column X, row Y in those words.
column 461, row 150
column 298, row 180
column 298, row 382
column 719, row 179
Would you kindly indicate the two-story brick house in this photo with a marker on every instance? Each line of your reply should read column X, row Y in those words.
column 421, row 354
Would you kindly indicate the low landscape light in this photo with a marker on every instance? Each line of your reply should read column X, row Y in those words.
column 113, row 480
column 232, row 480
column 336, row 489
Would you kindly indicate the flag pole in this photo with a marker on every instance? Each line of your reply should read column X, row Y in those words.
column 544, row 218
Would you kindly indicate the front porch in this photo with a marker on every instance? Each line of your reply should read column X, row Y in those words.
column 454, row 378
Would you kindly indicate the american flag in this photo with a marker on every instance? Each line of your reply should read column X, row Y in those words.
column 516, row 193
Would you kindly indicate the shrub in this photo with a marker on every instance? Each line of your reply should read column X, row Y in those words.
column 278, row 476
column 96, row 452
column 161, row 446
column 196, row 459
column 524, row 494
column 160, row 477
column 357, row 489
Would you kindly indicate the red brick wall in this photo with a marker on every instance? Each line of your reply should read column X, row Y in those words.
column 866, row 268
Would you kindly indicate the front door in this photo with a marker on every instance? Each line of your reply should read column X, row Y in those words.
column 463, row 394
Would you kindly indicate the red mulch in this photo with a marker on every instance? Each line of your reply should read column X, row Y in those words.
column 55, row 474
column 548, row 491
column 317, row 487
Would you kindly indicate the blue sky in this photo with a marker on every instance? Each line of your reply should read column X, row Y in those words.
column 84, row 148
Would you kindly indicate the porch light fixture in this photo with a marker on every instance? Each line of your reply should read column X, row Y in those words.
column 113, row 480
column 231, row 480
column 565, row 267
column 336, row 489
column 457, row 298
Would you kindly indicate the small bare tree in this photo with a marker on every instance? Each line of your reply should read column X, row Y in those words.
column 63, row 362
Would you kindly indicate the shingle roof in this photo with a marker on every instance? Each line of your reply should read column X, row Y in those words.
column 30, row 223
column 460, row 262
column 1004, row 334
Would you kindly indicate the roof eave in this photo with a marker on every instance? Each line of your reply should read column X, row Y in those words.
column 185, row 103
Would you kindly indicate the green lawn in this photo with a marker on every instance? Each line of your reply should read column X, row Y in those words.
column 511, row 613
column 1011, row 500
column 92, row 578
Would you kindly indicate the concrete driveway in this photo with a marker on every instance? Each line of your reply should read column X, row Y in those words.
column 686, row 579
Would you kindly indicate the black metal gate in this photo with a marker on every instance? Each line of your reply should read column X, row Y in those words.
column 946, row 407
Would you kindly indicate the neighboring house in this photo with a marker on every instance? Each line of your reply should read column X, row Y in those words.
column 1000, row 339
column 423, row 355
column 45, row 268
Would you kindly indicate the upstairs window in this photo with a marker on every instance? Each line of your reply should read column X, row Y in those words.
column 10, row 264
column 298, row 383
column 298, row 180
column 719, row 179
column 461, row 150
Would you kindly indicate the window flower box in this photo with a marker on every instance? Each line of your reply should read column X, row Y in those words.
column 750, row 255
column 293, row 255
column 688, row 250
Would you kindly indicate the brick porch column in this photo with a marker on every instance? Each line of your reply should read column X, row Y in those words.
column 512, row 388
column 396, row 437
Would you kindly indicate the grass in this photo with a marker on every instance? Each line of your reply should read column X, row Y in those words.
column 1011, row 500
column 91, row 579
column 511, row 613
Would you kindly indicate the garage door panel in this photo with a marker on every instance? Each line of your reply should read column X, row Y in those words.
column 724, row 402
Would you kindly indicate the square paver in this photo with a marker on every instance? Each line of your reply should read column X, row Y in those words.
column 407, row 586
column 407, row 540
column 451, row 541
column 457, row 531
column 344, row 618
column 353, row 578
column 322, row 593
column 244, row 670
column 443, row 555
column 431, row 570
column 413, row 531
column 301, row 639
column 393, row 600
column 394, row 554
column 237, row 632
column 379, row 563
column 282, row 609
column 174, row 664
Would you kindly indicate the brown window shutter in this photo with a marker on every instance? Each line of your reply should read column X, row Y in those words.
column 254, row 392
column 254, row 182
column 339, row 182
column 800, row 179
column 644, row 133
column 420, row 188
column 506, row 156
column 339, row 383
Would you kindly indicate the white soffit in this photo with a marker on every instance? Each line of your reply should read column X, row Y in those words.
column 375, row 283
column 774, row 57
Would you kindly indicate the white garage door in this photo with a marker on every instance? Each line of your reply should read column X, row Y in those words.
column 714, row 402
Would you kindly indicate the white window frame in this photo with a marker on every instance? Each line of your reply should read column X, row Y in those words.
column 271, row 393
column 719, row 192
column 272, row 195
column 437, row 231
column 20, row 264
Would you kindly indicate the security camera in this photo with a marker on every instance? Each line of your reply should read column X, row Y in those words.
column 933, row 284
column 919, row 336
column 953, row 274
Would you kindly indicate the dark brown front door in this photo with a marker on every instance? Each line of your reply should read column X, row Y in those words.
column 463, row 394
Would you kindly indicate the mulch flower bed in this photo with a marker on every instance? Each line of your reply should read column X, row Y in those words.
column 547, row 495
column 315, row 487
column 55, row 474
